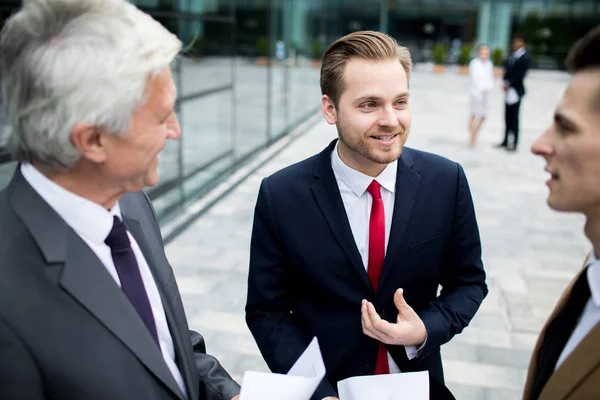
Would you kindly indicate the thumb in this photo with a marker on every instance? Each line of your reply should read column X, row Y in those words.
column 399, row 301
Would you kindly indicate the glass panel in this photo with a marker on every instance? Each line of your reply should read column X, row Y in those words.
column 6, row 172
column 279, row 83
column 251, row 76
column 206, row 134
column 250, row 106
column 199, row 74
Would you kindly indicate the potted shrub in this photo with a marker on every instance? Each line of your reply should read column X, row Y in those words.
column 497, row 59
column 464, row 58
column 439, row 57
column 262, row 51
column 315, row 53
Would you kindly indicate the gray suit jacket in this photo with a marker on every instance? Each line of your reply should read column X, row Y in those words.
column 67, row 331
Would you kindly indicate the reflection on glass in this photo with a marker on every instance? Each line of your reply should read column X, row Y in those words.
column 206, row 131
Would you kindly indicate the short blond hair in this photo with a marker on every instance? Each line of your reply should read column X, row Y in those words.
column 368, row 45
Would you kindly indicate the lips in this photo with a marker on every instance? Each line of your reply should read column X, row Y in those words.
column 385, row 138
column 553, row 174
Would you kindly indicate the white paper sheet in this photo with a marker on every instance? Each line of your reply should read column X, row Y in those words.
column 299, row 384
column 404, row 386
column 511, row 96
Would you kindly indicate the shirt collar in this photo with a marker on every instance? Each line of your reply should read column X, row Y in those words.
column 88, row 219
column 359, row 182
column 519, row 52
column 593, row 272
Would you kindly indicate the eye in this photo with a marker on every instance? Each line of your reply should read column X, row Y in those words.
column 368, row 105
column 402, row 102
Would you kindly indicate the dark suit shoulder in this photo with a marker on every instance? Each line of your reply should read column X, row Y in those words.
column 295, row 173
column 427, row 163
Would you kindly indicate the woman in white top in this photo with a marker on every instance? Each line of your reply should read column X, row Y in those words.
column 481, row 72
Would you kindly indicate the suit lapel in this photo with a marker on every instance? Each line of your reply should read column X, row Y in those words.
column 533, row 369
column 407, row 188
column 327, row 194
column 576, row 367
column 182, row 352
column 85, row 278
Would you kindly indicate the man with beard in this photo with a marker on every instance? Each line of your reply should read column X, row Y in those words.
column 352, row 244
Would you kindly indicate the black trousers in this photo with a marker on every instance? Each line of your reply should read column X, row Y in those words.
column 511, row 123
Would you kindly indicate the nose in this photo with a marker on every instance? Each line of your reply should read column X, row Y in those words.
column 173, row 128
column 389, row 117
column 542, row 146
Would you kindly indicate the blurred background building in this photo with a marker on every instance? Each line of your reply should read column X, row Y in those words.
column 250, row 72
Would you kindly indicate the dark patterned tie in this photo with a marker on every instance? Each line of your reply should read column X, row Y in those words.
column 559, row 331
column 129, row 274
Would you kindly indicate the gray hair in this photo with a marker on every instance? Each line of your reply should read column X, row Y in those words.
column 64, row 62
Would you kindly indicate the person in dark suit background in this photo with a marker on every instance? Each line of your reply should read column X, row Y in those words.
column 515, row 69
column 89, row 306
column 352, row 244
column 565, row 364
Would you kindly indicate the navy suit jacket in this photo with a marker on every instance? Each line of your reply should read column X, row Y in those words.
column 307, row 278
column 514, row 73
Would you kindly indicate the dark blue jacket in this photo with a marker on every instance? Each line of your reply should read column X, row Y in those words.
column 307, row 277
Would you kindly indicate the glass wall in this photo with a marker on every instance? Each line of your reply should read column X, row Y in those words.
column 250, row 69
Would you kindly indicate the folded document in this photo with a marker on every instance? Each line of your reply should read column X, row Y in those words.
column 307, row 373
column 299, row 384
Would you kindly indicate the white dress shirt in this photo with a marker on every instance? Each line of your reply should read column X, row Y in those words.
column 590, row 317
column 93, row 223
column 357, row 202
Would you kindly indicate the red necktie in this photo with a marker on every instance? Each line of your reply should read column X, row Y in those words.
column 376, row 258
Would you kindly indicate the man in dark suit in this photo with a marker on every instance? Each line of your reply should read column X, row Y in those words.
column 515, row 69
column 89, row 306
column 352, row 244
column 565, row 364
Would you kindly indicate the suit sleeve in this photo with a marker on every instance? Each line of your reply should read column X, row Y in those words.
column 19, row 376
column 215, row 382
column 463, row 278
column 269, row 305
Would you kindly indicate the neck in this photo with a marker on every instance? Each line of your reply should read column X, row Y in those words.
column 358, row 162
column 85, row 182
column 592, row 231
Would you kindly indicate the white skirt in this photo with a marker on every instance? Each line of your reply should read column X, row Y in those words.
column 479, row 104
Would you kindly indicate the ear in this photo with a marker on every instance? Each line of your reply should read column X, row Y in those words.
column 88, row 139
column 328, row 109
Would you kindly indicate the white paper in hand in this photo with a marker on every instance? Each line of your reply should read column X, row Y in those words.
column 299, row 384
column 404, row 386
column 511, row 96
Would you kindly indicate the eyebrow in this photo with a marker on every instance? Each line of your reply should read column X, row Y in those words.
column 374, row 97
column 562, row 119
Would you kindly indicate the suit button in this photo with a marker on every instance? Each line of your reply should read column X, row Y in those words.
column 381, row 313
column 367, row 365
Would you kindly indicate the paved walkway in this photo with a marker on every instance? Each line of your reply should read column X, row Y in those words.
column 529, row 251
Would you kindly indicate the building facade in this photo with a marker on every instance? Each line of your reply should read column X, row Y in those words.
column 248, row 74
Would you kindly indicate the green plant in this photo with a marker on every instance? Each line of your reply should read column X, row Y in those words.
column 439, row 53
column 465, row 54
column 262, row 46
column 198, row 43
column 497, row 57
column 315, row 49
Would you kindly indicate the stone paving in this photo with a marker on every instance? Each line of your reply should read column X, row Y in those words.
column 530, row 252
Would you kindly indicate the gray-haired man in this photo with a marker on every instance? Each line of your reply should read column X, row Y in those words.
column 89, row 306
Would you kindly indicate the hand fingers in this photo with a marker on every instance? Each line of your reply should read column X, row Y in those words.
column 403, row 308
column 376, row 327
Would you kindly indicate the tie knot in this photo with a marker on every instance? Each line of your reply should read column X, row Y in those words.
column 117, row 239
column 375, row 190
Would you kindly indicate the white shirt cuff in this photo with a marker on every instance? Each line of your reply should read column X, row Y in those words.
column 413, row 351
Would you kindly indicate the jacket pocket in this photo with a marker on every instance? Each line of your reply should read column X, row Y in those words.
column 427, row 244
